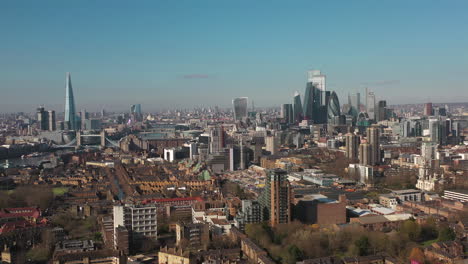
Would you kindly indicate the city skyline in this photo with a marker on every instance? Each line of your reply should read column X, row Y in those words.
column 168, row 55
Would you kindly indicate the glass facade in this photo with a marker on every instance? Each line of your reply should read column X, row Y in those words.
column 70, row 114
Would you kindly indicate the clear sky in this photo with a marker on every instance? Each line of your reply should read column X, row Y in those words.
column 178, row 53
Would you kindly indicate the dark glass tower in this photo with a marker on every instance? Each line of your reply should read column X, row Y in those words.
column 70, row 115
column 298, row 112
column 333, row 111
column 312, row 102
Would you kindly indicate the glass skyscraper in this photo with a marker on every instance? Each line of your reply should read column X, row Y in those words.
column 70, row 114
column 333, row 111
column 298, row 112
column 312, row 102
column 240, row 107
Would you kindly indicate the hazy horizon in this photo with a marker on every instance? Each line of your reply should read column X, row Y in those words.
column 181, row 54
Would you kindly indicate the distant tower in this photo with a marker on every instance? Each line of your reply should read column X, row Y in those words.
column 352, row 146
column 70, row 115
column 42, row 119
column 373, row 134
column 428, row 109
column 298, row 112
column 370, row 105
column 240, row 107
column 51, row 119
column 365, row 154
column 287, row 113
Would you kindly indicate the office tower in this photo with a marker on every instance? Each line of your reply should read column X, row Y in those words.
column 333, row 109
column 406, row 128
column 276, row 198
column 427, row 109
column 287, row 113
column 272, row 144
column 290, row 114
column 312, row 103
column 217, row 139
column 373, row 134
column 365, row 154
column 140, row 220
column 370, row 105
column 319, row 81
column 355, row 101
column 70, row 115
column 352, row 146
column 428, row 151
column 51, row 119
column 83, row 117
column 418, row 129
column 381, row 113
column 103, row 113
column 42, row 119
column 135, row 112
column 298, row 112
column 434, row 131
column 92, row 124
column 240, row 107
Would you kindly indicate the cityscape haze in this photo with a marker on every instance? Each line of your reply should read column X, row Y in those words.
column 216, row 132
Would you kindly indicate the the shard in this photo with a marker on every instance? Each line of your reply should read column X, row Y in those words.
column 70, row 115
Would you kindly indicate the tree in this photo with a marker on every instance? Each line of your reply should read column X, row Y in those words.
column 445, row 234
column 362, row 245
column 411, row 229
column 429, row 229
column 38, row 254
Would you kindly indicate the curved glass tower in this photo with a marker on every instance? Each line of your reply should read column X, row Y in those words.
column 70, row 115
column 333, row 111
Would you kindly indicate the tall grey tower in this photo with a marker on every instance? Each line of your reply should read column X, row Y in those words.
column 70, row 115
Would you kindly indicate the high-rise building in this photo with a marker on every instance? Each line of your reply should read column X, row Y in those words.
column 42, row 119
column 381, row 113
column 140, row 220
column 352, row 146
column 312, row 102
column 287, row 113
column 370, row 105
column 70, row 114
column 217, row 139
column 427, row 109
column 373, row 137
column 355, row 101
column 428, row 151
column 407, row 132
column 333, row 111
column 272, row 144
column 298, row 111
column 83, row 117
column 365, row 154
column 434, row 130
column 276, row 198
column 319, row 81
column 240, row 107
column 51, row 119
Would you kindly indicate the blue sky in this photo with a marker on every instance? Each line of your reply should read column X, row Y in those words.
column 174, row 53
